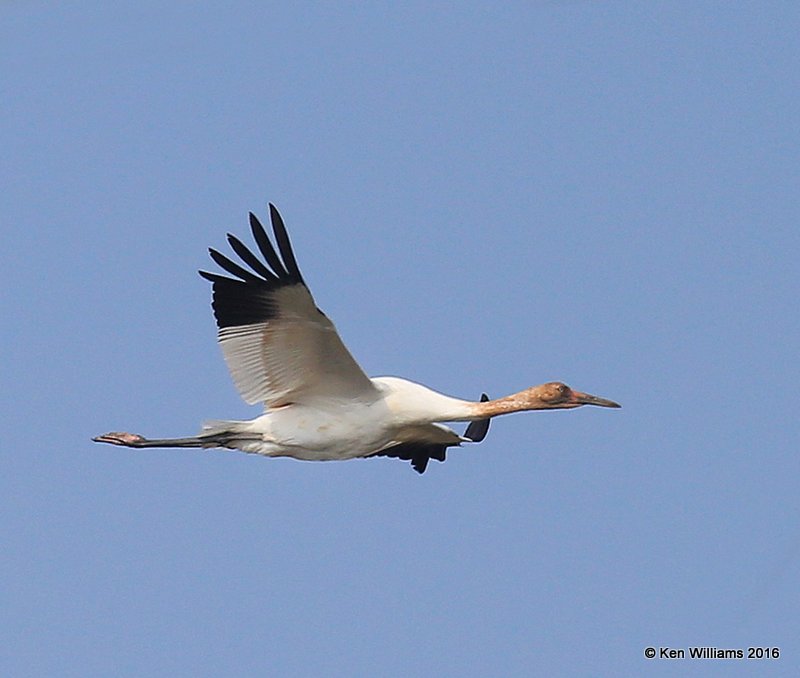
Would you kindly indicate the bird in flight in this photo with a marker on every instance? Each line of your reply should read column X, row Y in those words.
column 283, row 351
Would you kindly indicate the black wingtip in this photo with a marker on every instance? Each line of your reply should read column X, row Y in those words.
column 256, row 228
column 283, row 242
column 419, row 464
column 275, row 217
column 251, row 259
column 232, row 267
column 262, row 240
column 477, row 430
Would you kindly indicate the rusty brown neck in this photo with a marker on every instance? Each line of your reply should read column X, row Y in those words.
column 516, row 402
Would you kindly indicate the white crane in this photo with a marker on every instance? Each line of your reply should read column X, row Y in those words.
column 319, row 405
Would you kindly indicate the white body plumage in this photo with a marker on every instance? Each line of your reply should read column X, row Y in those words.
column 326, row 429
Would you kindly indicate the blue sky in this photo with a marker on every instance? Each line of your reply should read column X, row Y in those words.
column 482, row 198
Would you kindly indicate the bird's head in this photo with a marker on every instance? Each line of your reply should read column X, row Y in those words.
column 556, row 395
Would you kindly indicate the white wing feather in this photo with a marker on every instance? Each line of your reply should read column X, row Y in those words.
column 290, row 360
column 279, row 347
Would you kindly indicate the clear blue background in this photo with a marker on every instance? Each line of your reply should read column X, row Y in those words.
column 482, row 197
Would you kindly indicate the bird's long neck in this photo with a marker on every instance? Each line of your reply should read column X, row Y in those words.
column 516, row 402
column 452, row 409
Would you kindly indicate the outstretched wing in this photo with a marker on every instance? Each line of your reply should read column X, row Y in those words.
column 432, row 441
column 279, row 347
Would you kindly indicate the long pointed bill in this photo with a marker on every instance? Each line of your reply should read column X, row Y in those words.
column 579, row 398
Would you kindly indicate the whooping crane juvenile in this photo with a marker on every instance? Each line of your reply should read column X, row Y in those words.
column 319, row 405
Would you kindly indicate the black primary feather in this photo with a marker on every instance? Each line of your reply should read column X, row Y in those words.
column 249, row 297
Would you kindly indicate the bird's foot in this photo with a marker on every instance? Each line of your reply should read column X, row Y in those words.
column 119, row 438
